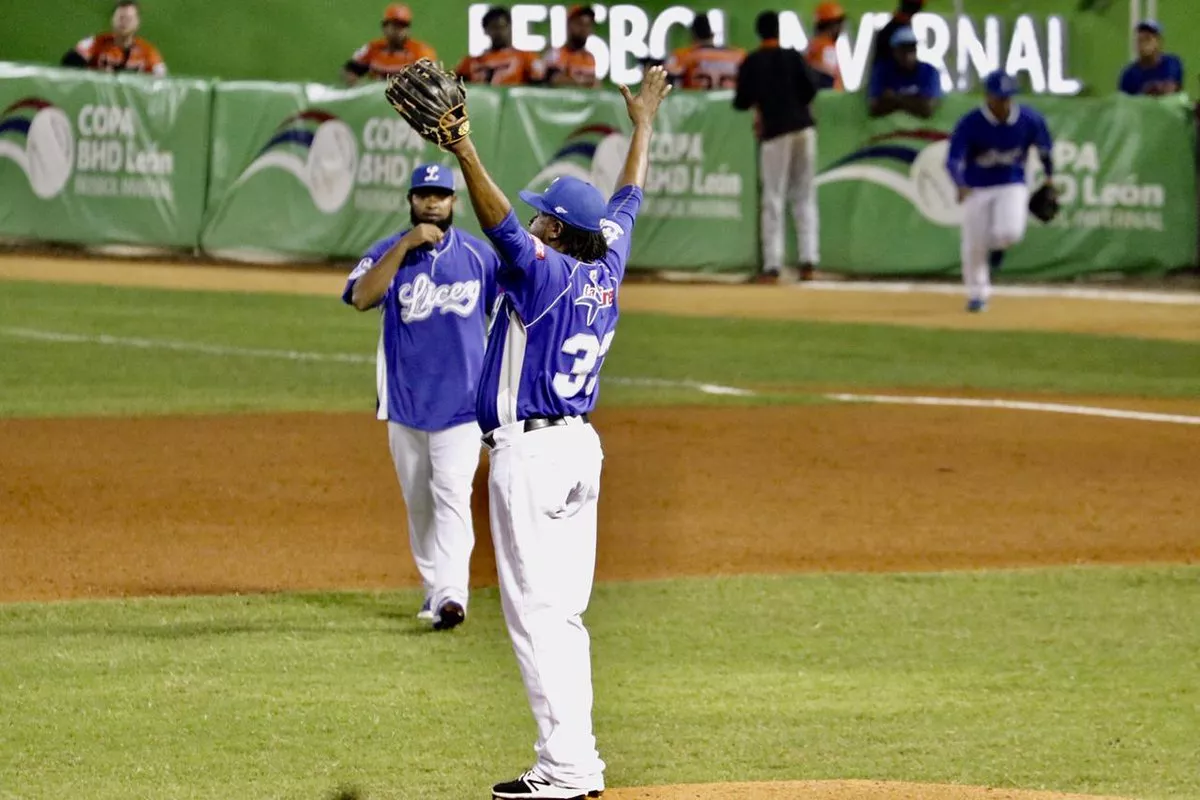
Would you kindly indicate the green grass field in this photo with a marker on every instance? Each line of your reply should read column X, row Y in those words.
column 144, row 377
column 1080, row 680
column 1067, row 679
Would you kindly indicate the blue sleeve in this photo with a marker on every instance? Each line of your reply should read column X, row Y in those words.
column 527, row 266
column 1175, row 70
column 1044, row 144
column 368, row 260
column 491, row 271
column 618, row 226
column 956, row 160
column 932, row 87
column 1129, row 81
column 875, row 88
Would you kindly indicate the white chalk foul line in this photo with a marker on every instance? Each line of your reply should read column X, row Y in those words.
column 1017, row 405
column 705, row 388
column 299, row 355
column 1180, row 298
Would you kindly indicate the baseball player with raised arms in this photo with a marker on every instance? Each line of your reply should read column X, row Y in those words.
column 551, row 330
column 988, row 151
column 435, row 286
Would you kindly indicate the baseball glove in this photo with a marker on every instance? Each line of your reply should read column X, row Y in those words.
column 1044, row 203
column 432, row 101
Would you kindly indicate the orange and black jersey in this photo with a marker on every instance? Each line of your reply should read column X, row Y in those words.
column 505, row 67
column 705, row 67
column 103, row 52
column 378, row 59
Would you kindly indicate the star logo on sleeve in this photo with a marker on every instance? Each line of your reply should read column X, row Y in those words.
column 595, row 296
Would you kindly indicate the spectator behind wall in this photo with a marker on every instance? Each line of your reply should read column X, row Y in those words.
column 501, row 64
column 572, row 64
column 118, row 50
column 1154, row 72
column 902, row 18
column 822, row 50
column 381, row 57
column 904, row 83
column 702, row 64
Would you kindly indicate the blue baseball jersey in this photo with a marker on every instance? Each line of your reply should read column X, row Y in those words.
column 986, row 151
column 434, row 326
column 924, row 81
column 1136, row 79
column 555, row 320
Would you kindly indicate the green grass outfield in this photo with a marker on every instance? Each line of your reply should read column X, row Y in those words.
column 1070, row 679
column 39, row 377
column 1074, row 679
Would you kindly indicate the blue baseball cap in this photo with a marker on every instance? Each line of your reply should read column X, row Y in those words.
column 1150, row 26
column 1001, row 84
column 432, row 176
column 572, row 201
column 903, row 37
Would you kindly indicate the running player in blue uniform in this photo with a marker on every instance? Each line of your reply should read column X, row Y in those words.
column 436, row 286
column 988, row 151
column 551, row 330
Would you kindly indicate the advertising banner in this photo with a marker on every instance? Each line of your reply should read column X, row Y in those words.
column 96, row 159
column 306, row 171
column 1125, row 176
column 701, row 195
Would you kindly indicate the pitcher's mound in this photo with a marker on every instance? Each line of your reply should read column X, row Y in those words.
column 832, row 790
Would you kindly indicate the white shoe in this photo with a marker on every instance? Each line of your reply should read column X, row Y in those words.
column 531, row 786
column 426, row 612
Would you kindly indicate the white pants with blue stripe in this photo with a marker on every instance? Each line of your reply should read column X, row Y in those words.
column 544, row 486
column 436, row 471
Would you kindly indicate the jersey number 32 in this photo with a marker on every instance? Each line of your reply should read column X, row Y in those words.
column 589, row 353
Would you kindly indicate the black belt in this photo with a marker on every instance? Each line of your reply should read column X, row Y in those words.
column 536, row 424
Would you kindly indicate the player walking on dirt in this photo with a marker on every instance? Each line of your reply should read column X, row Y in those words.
column 436, row 285
column 551, row 331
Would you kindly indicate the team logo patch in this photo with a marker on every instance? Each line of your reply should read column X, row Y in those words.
column 539, row 247
column 611, row 231
column 596, row 297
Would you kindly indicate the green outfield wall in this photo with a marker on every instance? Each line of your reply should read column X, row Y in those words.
column 308, row 40
column 258, row 170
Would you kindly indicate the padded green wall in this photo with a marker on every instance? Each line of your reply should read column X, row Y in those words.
column 309, row 39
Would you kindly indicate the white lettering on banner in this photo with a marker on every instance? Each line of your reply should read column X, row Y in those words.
column 112, row 142
column 634, row 33
column 419, row 299
column 391, row 150
column 1090, row 202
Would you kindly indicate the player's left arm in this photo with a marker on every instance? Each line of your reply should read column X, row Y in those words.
column 642, row 108
column 154, row 61
column 1174, row 81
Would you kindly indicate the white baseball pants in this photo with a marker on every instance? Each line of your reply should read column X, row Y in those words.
column 435, row 471
column 994, row 218
column 787, row 167
column 544, row 487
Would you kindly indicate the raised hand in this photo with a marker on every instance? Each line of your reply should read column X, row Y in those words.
column 644, row 105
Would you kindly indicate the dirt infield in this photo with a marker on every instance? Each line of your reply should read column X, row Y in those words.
column 116, row 507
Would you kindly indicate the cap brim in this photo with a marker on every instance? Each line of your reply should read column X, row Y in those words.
column 537, row 201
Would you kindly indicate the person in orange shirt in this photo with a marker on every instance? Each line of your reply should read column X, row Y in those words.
column 502, row 64
column 120, row 50
column 822, row 50
column 379, row 58
column 572, row 64
column 703, row 65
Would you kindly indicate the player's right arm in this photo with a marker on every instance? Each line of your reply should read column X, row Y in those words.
column 80, row 55
column 369, row 282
